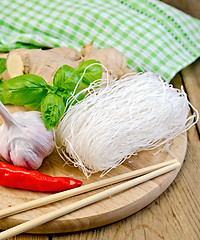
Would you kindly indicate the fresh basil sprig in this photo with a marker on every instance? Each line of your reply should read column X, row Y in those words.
column 52, row 108
column 93, row 71
column 33, row 92
column 25, row 89
column 66, row 78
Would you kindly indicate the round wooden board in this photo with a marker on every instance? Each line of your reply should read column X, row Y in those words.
column 104, row 212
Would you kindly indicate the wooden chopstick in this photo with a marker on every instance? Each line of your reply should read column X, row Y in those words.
column 72, row 192
column 85, row 202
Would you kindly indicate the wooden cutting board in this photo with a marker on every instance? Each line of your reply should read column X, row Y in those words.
column 104, row 212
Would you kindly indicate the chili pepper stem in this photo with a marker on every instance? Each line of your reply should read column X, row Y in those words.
column 6, row 116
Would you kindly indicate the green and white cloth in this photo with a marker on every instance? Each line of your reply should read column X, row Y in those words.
column 151, row 34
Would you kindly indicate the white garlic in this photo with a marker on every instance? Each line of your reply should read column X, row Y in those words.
column 24, row 140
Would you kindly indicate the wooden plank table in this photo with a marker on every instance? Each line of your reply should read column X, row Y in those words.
column 175, row 215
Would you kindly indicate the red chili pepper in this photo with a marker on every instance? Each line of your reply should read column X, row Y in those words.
column 18, row 177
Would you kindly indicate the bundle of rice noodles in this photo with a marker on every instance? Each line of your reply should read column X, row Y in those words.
column 138, row 112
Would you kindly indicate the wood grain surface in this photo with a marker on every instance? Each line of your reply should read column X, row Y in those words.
column 191, row 7
column 175, row 215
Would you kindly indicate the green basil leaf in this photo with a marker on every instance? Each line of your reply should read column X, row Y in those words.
column 52, row 89
column 52, row 108
column 1, row 93
column 65, row 100
column 2, row 65
column 92, row 73
column 63, row 92
column 72, row 101
column 34, row 106
column 25, row 89
column 66, row 77
column 83, row 85
column 79, row 96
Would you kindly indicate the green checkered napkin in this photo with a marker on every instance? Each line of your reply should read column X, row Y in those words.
column 151, row 34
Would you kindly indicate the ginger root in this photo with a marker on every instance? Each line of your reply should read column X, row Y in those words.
column 66, row 52
column 40, row 62
column 111, row 58
column 45, row 62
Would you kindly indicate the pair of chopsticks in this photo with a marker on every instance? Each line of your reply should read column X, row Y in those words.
column 140, row 176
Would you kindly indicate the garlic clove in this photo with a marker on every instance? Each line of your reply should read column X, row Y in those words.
column 21, row 153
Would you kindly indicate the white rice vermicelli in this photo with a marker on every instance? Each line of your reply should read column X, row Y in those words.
column 138, row 112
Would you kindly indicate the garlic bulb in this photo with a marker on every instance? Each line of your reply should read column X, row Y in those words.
column 24, row 141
